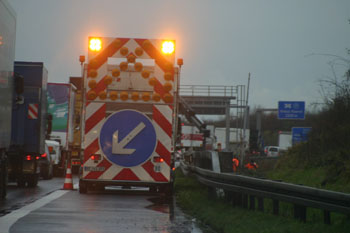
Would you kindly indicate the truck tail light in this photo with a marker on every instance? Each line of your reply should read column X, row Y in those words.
column 28, row 157
column 158, row 160
column 37, row 157
column 95, row 157
column 75, row 162
column 44, row 155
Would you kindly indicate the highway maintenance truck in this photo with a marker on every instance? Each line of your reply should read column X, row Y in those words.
column 130, row 114
column 7, row 89
column 60, row 104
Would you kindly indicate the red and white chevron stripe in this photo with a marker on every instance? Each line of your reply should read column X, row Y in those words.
column 95, row 116
column 33, row 111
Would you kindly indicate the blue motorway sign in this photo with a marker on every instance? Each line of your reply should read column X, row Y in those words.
column 294, row 110
column 128, row 138
column 300, row 134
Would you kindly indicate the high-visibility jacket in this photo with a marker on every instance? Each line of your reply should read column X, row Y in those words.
column 251, row 166
column 235, row 162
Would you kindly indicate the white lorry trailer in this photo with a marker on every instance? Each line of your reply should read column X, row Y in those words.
column 61, row 100
column 284, row 140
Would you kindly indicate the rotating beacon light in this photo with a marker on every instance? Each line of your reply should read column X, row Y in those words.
column 168, row 47
column 95, row 44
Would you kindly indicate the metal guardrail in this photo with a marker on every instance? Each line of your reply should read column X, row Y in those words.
column 301, row 196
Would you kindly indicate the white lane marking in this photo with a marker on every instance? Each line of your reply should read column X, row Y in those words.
column 8, row 220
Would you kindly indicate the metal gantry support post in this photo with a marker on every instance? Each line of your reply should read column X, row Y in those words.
column 228, row 118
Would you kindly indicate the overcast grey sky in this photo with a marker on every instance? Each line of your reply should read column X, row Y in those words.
column 220, row 41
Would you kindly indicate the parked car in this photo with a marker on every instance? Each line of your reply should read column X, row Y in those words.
column 46, row 164
column 272, row 151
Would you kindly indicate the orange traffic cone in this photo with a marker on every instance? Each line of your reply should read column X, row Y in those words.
column 68, row 182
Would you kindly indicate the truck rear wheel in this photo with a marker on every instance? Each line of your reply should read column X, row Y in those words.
column 3, row 176
column 21, row 182
column 168, row 189
column 82, row 187
column 33, row 181
column 3, row 186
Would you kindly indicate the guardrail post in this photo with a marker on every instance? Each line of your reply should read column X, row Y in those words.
column 261, row 204
column 327, row 217
column 252, row 202
column 211, row 193
column 245, row 201
column 228, row 196
column 276, row 207
column 237, row 199
column 300, row 212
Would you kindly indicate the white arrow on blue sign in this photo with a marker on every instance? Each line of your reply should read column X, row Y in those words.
column 128, row 138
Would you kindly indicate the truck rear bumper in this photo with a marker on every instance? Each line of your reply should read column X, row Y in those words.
column 122, row 183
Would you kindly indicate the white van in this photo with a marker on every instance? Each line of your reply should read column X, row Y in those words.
column 55, row 151
column 272, row 151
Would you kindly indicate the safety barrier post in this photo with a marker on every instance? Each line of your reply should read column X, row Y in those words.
column 251, row 202
column 261, row 204
column 228, row 196
column 276, row 206
column 300, row 212
column 245, row 201
column 211, row 193
column 237, row 199
column 327, row 217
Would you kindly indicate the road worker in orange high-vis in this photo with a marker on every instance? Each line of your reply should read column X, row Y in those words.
column 252, row 166
column 235, row 163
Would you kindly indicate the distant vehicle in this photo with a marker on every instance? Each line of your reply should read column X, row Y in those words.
column 7, row 87
column 60, row 104
column 30, row 124
column 284, row 140
column 55, row 152
column 191, row 137
column 272, row 151
column 46, row 164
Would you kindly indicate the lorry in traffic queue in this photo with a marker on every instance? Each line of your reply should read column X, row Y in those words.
column 236, row 139
column 284, row 140
column 29, row 125
column 76, row 149
column 130, row 114
column 60, row 104
column 191, row 137
column 7, row 86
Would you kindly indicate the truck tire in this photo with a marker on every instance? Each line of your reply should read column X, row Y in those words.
column 49, row 174
column 3, row 186
column 21, row 182
column 3, row 176
column 82, row 187
column 33, row 181
column 168, row 189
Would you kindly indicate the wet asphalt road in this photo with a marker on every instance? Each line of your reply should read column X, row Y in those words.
column 113, row 210
column 19, row 197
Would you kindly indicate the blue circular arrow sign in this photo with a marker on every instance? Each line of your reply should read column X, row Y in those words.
column 128, row 138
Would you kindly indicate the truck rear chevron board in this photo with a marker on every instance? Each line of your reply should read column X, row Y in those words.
column 129, row 106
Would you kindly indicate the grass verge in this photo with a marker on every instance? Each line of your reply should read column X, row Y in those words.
column 192, row 197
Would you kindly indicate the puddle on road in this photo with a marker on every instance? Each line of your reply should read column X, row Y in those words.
column 180, row 222
column 161, row 204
